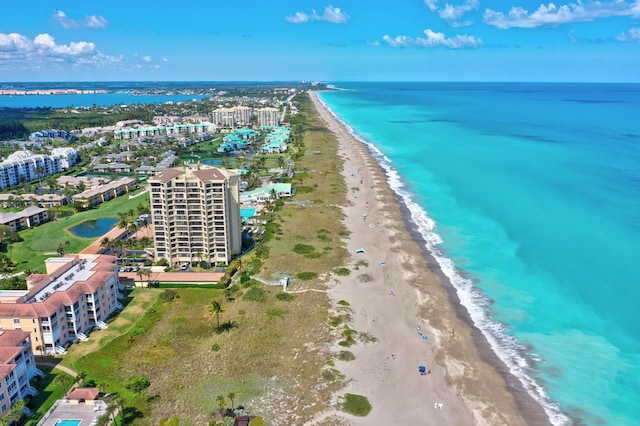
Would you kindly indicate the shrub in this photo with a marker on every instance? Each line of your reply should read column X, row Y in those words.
column 305, row 276
column 303, row 249
column 357, row 405
column 275, row 312
column 137, row 384
column 168, row 295
column 162, row 262
column 215, row 347
column 346, row 356
column 255, row 294
column 285, row 297
column 343, row 272
column 343, row 303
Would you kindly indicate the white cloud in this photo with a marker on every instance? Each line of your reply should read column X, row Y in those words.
column 165, row 60
column 18, row 50
column 551, row 14
column 93, row 21
column 632, row 35
column 373, row 43
column 146, row 58
column 433, row 39
column 454, row 13
column 331, row 14
column 96, row 21
column 298, row 18
column 431, row 4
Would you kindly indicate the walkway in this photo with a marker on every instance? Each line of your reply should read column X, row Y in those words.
column 58, row 366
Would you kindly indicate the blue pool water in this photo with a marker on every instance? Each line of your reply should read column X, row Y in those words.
column 247, row 213
column 528, row 196
column 68, row 422
column 93, row 228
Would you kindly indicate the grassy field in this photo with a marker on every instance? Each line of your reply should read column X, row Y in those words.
column 271, row 350
column 37, row 242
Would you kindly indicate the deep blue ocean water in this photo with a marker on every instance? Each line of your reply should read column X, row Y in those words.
column 528, row 195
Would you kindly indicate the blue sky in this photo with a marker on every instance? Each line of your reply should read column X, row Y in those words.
column 399, row 40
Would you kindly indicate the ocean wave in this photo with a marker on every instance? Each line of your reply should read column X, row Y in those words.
column 503, row 343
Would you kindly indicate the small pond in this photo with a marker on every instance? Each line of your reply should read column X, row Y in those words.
column 94, row 228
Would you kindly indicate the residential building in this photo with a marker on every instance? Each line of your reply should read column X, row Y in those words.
column 106, row 192
column 196, row 214
column 49, row 134
column 267, row 193
column 40, row 200
column 77, row 293
column 150, row 131
column 25, row 166
column 232, row 117
column 268, row 116
column 27, row 218
column 17, row 368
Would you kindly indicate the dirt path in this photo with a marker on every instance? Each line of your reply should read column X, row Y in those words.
column 58, row 366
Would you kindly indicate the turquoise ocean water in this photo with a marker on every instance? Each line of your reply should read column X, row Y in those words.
column 528, row 195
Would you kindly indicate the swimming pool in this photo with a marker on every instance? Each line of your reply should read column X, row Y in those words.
column 66, row 422
column 247, row 213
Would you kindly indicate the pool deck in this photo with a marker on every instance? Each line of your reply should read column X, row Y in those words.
column 66, row 411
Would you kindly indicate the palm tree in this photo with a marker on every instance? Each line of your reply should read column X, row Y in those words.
column 215, row 308
column 105, row 243
column 147, row 273
column 63, row 381
column 41, row 349
column 231, row 396
column 222, row 404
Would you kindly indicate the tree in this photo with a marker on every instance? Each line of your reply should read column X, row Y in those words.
column 215, row 309
column 60, row 249
column 63, row 380
column 222, row 404
column 41, row 349
column 231, row 396
column 14, row 415
column 105, row 243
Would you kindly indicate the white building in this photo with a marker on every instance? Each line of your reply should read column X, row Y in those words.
column 268, row 116
column 232, row 117
column 25, row 166
column 196, row 214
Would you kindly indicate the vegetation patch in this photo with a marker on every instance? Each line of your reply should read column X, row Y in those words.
column 356, row 405
column 276, row 312
column 255, row 294
column 304, row 189
column 346, row 356
column 348, row 334
column 306, row 276
column 303, row 249
column 285, row 297
column 342, row 272
column 343, row 303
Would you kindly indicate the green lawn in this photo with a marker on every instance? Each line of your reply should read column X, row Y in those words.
column 49, row 392
column 30, row 253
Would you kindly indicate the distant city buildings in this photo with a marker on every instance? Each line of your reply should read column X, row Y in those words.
column 77, row 293
column 196, row 215
column 25, row 166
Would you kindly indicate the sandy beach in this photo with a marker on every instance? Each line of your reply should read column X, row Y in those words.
column 398, row 296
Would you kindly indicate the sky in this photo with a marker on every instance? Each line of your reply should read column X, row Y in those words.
column 320, row 40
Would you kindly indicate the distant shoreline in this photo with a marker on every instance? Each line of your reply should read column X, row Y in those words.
column 51, row 92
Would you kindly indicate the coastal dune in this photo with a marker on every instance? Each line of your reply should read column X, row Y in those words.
column 400, row 300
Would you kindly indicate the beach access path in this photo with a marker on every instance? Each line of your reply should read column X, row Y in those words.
column 396, row 298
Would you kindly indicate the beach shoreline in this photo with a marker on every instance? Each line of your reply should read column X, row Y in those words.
column 399, row 295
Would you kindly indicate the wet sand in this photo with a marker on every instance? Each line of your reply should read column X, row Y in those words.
column 398, row 295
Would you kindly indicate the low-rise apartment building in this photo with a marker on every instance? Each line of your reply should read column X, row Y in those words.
column 106, row 192
column 17, row 368
column 27, row 218
column 25, row 166
column 77, row 293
